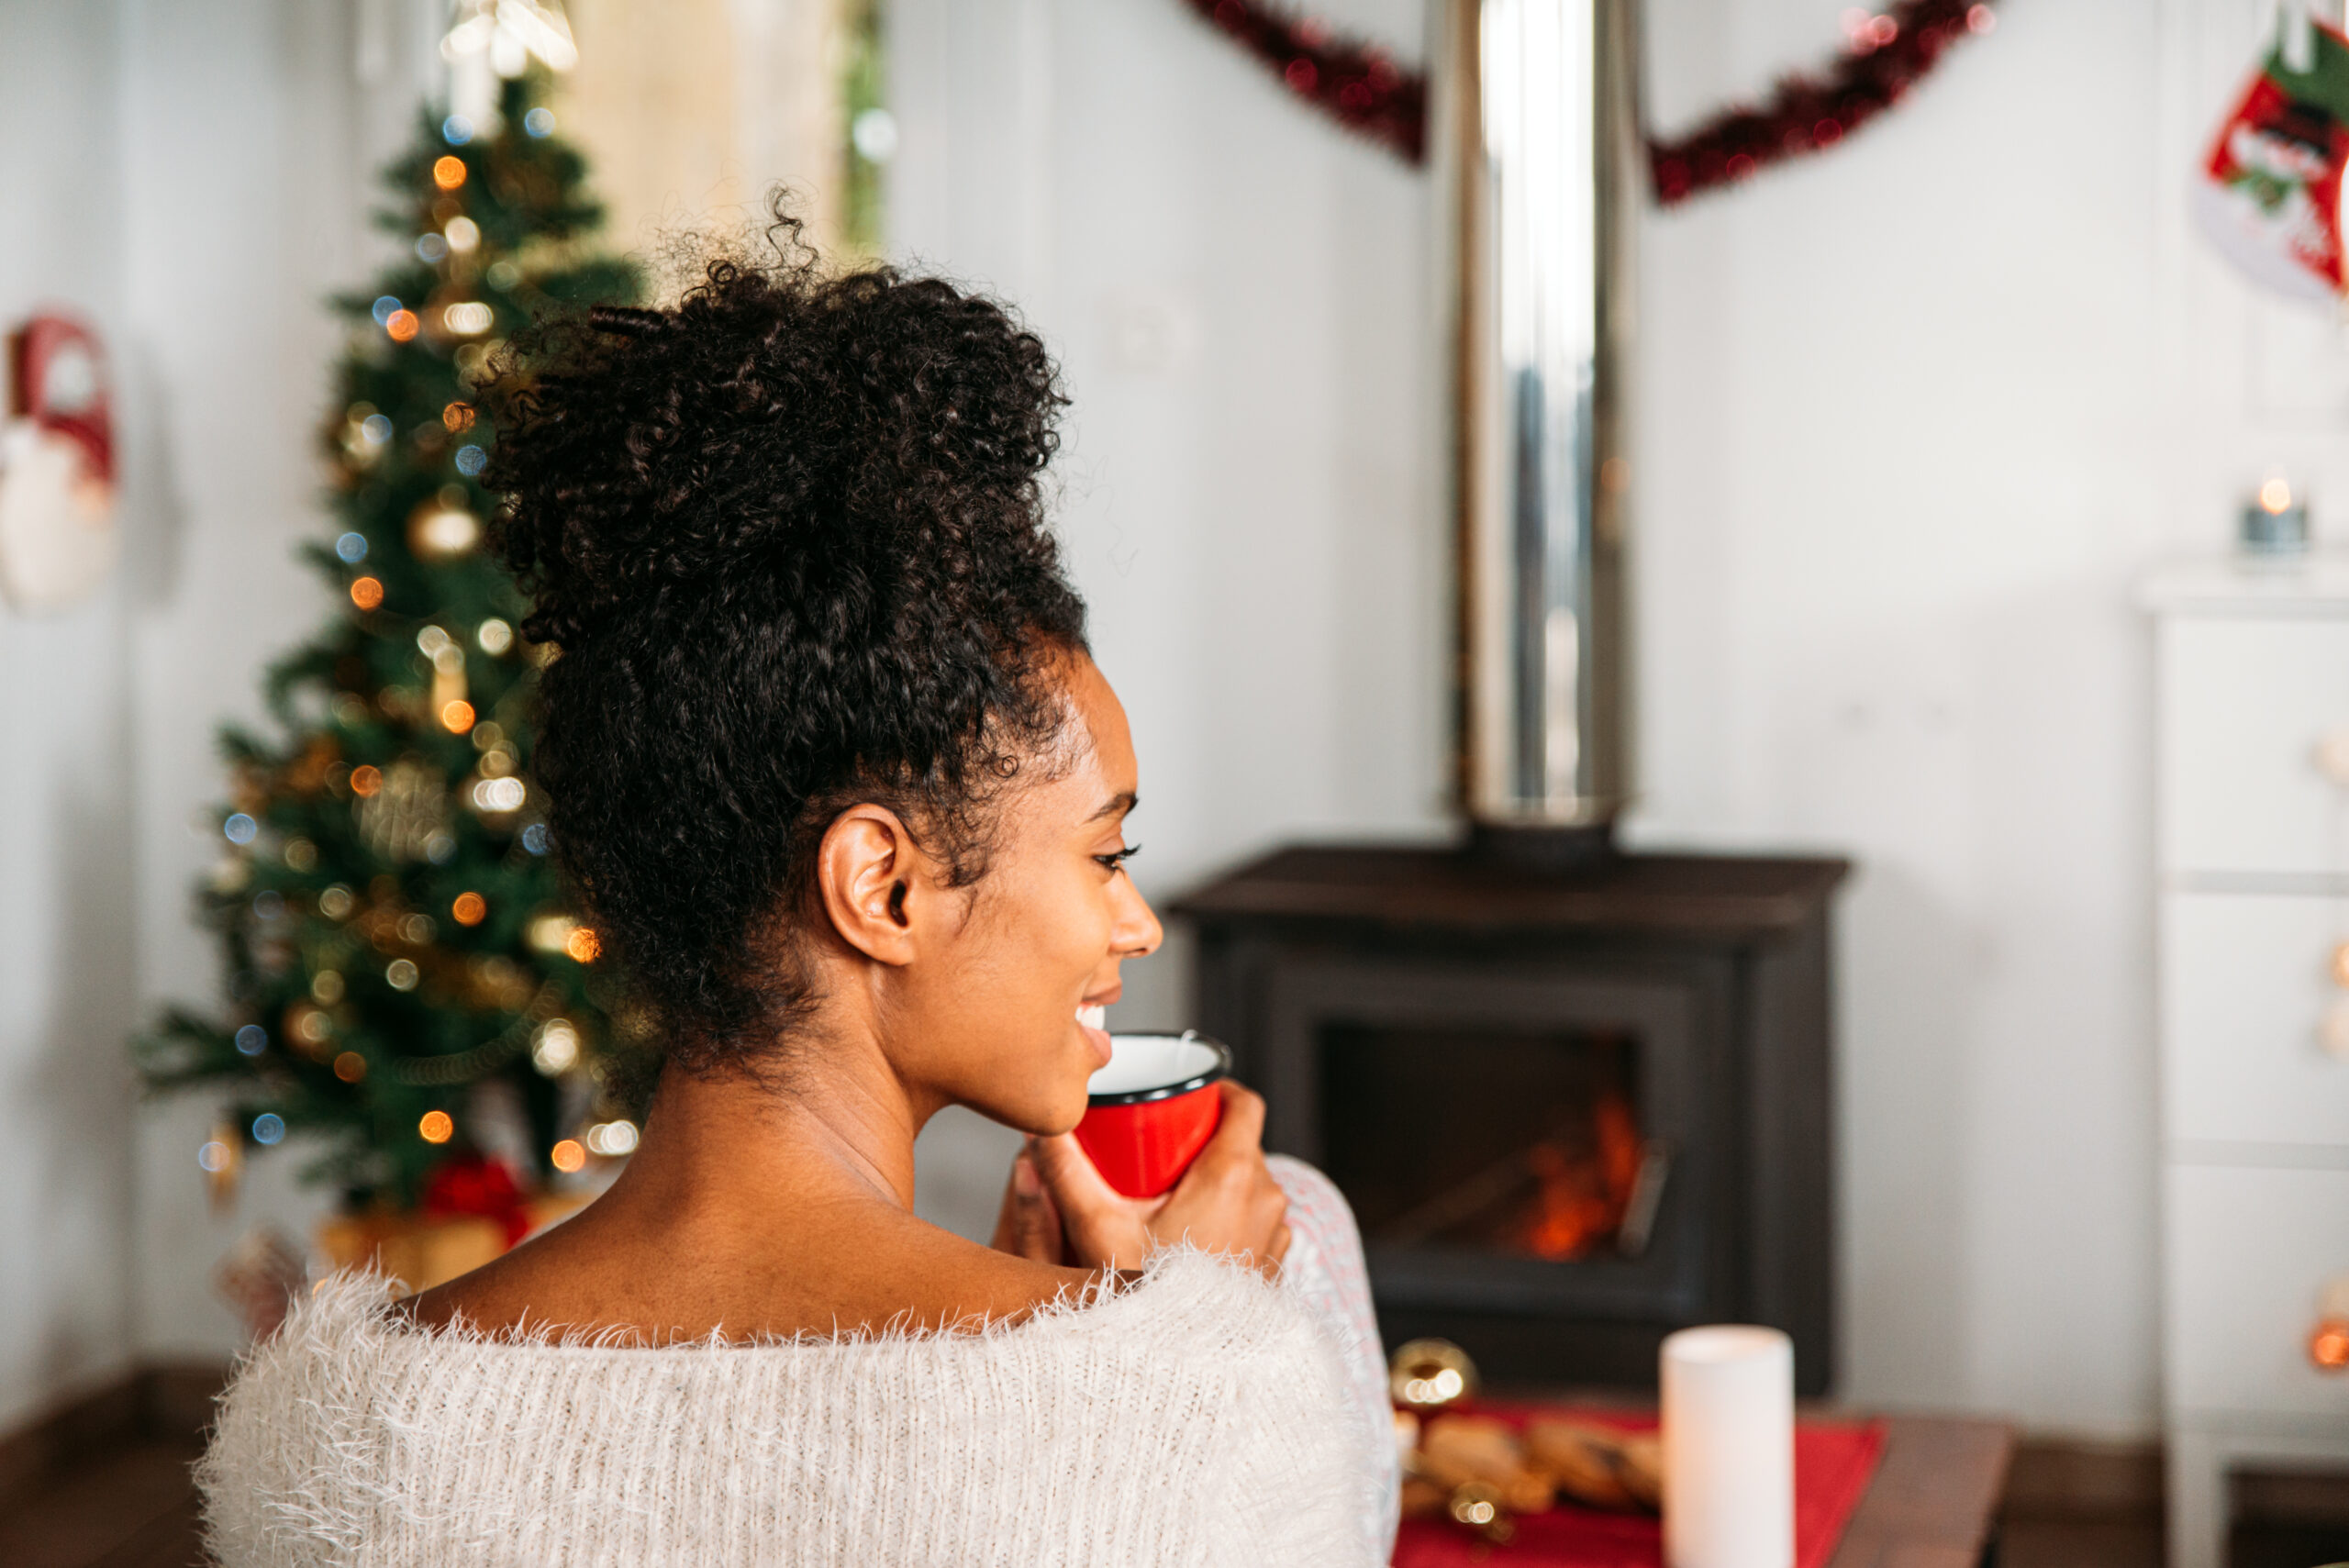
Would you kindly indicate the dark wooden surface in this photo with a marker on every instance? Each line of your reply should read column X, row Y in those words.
column 1733, row 896
column 1934, row 1498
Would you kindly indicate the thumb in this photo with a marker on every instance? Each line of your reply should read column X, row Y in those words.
column 1070, row 1175
column 1100, row 1221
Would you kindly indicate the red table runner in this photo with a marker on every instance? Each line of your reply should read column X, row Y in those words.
column 1833, row 1461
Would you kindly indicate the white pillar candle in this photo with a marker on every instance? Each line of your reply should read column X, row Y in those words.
column 1729, row 1448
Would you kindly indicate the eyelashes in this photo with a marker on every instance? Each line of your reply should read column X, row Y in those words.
column 1115, row 862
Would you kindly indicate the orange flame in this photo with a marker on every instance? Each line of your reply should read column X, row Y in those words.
column 1580, row 1201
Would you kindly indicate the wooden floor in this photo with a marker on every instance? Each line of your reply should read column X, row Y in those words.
column 133, row 1508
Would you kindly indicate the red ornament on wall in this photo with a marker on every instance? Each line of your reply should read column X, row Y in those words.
column 57, row 467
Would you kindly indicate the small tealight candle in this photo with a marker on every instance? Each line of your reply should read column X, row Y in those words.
column 2277, row 521
column 1728, row 1448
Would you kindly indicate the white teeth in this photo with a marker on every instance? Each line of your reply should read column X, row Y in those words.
column 1094, row 1018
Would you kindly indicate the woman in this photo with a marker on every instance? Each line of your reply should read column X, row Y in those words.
column 830, row 764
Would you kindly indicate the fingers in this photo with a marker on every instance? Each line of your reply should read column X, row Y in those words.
column 1241, row 1131
column 1103, row 1226
column 1029, row 1224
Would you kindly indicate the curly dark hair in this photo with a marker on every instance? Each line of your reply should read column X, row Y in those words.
column 788, row 537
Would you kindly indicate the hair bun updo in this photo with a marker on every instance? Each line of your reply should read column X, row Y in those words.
column 789, row 536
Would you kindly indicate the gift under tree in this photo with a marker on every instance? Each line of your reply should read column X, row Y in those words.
column 406, row 993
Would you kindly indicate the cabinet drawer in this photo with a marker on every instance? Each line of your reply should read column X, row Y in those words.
column 2249, row 1252
column 2245, row 982
column 2245, row 705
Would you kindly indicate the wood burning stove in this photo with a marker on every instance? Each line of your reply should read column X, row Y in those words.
column 1573, row 1110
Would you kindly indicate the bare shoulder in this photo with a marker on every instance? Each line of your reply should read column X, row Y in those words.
column 689, row 1282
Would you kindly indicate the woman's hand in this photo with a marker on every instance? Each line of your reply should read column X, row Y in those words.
column 1057, row 1208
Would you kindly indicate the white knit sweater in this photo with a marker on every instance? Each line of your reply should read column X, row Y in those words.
column 1196, row 1416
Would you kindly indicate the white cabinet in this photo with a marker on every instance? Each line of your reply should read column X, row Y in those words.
column 2252, row 743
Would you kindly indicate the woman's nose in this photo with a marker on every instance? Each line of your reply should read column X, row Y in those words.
column 1137, row 933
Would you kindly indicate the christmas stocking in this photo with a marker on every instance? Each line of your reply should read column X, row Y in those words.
column 2269, row 193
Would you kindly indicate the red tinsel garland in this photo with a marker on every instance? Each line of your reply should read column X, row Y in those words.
column 1358, row 83
column 1883, row 56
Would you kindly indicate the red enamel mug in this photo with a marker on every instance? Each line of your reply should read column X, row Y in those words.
column 1153, row 1108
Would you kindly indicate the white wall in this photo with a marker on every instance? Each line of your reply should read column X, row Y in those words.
column 1913, row 415
column 66, row 919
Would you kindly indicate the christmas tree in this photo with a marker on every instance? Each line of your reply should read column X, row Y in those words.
column 403, row 978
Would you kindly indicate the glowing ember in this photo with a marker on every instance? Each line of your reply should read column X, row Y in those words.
column 1581, row 1197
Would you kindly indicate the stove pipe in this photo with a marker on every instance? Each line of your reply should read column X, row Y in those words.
column 1547, row 171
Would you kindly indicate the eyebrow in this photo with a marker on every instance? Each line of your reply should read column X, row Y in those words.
column 1117, row 803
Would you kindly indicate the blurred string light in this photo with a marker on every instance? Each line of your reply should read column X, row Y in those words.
column 471, row 459
column 490, row 40
column 539, row 121
column 352, row 548
column 269, row 1127
column 555, row 1049
column 611, row 1138
column 253, row 1040
column 239, row 828
column 385, row 305
column 510, row 33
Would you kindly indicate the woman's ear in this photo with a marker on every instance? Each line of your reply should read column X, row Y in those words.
column 868, row 870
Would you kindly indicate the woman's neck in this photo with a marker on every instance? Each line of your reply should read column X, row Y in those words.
column 835, row 1124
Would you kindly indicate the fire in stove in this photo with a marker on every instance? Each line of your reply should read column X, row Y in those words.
column 1591, row 1181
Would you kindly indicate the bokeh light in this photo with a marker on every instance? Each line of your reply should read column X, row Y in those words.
column 401, row 974
column 384, row 304
column 499, row 794
column 471, row 459
column 239, row 828
column 449, row 172
column 366, row 592
column 468, row 908
column 495, row 636
column 350, row 548
column 554, row 1049
column 583, row 945
column 457, row 717
column 567, row 1156
column 401, row 324
column 365, row 780
column 436, row 1127
column 269, row 1127
column 350, row 1067
column 213, row 1156
column 612, row 1139
column 456, row 130
column 539, row 122
column 253, row 1040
